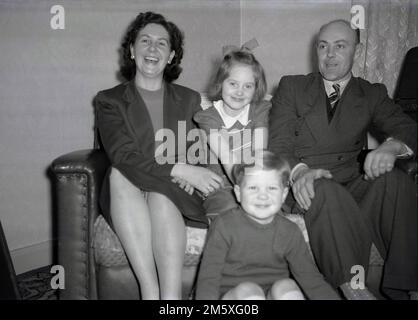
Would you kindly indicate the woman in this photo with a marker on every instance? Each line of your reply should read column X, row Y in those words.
column 150, row 202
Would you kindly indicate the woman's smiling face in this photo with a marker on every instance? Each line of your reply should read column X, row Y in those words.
column 152, row 51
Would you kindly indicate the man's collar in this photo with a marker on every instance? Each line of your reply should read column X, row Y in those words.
column 227, row 119
column 343, row 83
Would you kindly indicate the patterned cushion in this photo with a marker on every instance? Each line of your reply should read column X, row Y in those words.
column 108, row 250
column 205, row 102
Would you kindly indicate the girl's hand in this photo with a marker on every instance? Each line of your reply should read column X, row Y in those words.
column 200, row 178
column 183, row 184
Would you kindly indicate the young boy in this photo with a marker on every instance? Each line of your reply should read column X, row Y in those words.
column 250, row 250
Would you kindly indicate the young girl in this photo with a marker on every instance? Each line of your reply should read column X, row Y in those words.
column 236, row 124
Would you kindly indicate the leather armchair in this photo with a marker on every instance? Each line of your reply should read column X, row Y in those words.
column 77, row 179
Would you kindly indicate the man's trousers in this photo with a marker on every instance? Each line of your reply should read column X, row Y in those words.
column 344, row 220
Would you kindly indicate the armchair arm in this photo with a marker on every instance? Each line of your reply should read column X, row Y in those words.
column 77, row 178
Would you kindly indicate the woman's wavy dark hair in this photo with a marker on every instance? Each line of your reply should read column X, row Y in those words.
column 229, row 60
column 172, row 70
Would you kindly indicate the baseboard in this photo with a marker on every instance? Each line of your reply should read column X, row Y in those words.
column 32, row 257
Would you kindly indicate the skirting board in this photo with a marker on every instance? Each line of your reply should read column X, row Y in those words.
column 32, row 257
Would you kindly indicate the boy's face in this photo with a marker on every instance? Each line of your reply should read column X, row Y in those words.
column 261, row 194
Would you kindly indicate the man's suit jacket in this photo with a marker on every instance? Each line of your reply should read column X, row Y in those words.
column 299, row 128
column 127, row 135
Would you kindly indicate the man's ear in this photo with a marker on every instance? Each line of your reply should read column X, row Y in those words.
column 237, row 192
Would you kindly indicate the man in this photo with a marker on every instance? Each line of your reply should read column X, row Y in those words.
column 320, row 123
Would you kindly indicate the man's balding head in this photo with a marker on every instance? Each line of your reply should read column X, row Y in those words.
column 356, row 32
column 337, row 46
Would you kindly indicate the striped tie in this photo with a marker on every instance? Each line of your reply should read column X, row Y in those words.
column 335, row 96
column 333, row 99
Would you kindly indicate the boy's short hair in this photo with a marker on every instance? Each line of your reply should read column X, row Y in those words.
column 265, row 160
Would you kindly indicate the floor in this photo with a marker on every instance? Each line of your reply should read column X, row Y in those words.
column 36, row 285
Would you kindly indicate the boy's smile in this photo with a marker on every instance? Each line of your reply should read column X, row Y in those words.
column 261, row 194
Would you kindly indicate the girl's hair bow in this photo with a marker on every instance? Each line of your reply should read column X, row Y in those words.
column 247, row 46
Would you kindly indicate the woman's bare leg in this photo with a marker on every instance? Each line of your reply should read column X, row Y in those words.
column 169, row 244
column 131, row 219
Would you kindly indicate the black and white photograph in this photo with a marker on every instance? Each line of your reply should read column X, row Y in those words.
column 217, row 152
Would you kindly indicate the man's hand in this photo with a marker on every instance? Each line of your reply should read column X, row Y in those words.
column 382, row 159
column 303, row 186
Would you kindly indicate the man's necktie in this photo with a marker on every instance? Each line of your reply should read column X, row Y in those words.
column 333, row 99
column 335, row 96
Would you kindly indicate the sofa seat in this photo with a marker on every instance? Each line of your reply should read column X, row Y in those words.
column 106, row 274
column 109, row 253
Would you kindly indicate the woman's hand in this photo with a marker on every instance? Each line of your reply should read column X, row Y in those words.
column 200, row 178
column 183, row 184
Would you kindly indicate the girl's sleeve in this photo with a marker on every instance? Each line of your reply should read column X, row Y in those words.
column 261, row 114
column 208, row 119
